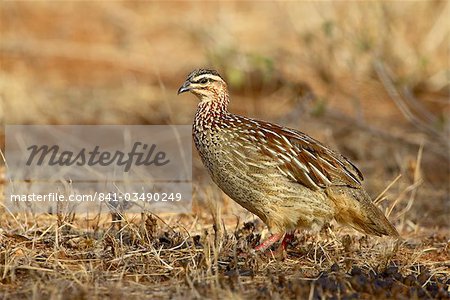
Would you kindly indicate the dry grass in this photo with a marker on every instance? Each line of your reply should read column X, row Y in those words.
column 369, row 79
column 190, row 256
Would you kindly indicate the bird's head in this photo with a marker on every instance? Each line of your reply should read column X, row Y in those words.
column 207, row 85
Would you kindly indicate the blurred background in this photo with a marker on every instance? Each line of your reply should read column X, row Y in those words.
column 370, row 79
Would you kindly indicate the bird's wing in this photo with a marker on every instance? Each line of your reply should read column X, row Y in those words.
column 305, row 160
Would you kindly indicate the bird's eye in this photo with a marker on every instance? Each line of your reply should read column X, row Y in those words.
column 203, row 80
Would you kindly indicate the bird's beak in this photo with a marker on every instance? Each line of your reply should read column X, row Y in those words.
column 185, row 87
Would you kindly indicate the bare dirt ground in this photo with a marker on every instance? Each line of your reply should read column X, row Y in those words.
column 369, row 79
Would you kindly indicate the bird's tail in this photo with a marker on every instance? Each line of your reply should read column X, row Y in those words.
column 354, row 207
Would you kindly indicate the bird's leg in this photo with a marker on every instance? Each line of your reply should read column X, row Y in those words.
column 269, row 242
column 288, row 237
column 281, row 250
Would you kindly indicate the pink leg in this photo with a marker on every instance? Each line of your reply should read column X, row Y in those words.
column 286, row 240
column 269, row 242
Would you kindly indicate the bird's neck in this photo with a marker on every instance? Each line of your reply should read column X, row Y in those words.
column 209, row 109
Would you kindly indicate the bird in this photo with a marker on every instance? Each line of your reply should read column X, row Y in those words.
column 285, row 177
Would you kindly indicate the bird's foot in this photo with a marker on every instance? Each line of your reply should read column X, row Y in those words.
column 279, row 252
column 267, row 243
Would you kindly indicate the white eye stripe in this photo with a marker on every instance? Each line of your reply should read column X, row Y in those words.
column 207, row 76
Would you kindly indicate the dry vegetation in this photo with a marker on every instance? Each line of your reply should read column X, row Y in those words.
column 369, row 79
